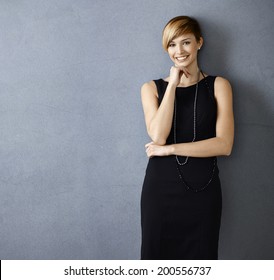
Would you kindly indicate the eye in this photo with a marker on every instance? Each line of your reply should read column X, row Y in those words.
column 186, row 43
column 171, row 45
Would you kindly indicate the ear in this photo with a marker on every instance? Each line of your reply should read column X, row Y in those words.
column 200, row 43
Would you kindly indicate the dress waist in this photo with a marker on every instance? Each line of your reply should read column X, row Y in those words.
column 196, row 171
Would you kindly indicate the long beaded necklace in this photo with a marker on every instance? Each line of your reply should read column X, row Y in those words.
column 178, row 163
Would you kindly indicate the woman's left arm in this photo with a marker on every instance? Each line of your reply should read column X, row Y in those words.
column 221, row 145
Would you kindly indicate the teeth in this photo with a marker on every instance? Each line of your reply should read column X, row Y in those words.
column 182, row 58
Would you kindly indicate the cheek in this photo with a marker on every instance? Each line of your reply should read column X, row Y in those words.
column 194, row 49
column 171, row 55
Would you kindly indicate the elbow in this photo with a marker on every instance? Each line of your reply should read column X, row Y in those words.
column 160, row 142
column 157, row 139
column 228, row 149
column 156, row 135
column 225, row 147
column 228, row 152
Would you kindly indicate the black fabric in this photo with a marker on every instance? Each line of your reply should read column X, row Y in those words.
column 178, row 223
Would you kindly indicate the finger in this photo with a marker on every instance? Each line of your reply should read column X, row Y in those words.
column 171, row 69
column 185, row 71
column 148, row 144
column 182, row 69
column 149, row 155
column 176, row 67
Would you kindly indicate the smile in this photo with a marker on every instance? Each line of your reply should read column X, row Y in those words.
column 182, row 58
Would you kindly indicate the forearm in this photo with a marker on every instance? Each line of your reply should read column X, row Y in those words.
column 205, row 148
column 161, row 123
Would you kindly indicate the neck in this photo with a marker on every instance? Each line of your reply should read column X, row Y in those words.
column 193, row 77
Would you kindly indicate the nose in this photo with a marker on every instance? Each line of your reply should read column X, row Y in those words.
column 179, row 49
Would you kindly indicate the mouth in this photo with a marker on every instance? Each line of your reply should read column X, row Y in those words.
column 182, row 58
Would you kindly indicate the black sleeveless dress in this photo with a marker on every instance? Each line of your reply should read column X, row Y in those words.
column 181, row 205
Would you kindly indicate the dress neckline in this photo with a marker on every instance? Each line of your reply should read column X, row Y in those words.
column 187, row 86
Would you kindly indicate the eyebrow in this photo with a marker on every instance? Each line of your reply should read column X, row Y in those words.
column 182, row 40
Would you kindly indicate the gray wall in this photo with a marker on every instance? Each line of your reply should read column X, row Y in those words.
column 72, row 128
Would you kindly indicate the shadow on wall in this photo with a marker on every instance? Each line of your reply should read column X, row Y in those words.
column 248, row 191
column 247, row 175
column 215, row 52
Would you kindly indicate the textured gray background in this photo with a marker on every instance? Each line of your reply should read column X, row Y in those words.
column 72, row 157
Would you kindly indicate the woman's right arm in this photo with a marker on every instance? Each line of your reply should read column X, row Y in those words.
column 158, row 118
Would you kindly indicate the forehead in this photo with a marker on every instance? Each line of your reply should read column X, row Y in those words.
column 184, row 37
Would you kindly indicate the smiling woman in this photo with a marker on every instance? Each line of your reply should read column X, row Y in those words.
column 189, row 118
column 183, row 49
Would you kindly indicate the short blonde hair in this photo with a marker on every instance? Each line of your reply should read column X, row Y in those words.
column 178, row 26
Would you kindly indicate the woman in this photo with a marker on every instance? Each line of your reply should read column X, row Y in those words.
column 189, row 118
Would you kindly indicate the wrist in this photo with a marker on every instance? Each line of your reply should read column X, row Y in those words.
column 171, row 150
column 172, row 85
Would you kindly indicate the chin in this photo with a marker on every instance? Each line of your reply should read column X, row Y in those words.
column 184, row 64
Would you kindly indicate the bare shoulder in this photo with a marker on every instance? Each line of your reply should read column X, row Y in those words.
column 149, row 88
column 222, row 87
column 222, row 83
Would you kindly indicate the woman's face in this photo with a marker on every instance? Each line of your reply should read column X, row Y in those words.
column 183, row 50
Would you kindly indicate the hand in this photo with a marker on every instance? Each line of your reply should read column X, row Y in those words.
column 176, row 73
column 156, row 150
